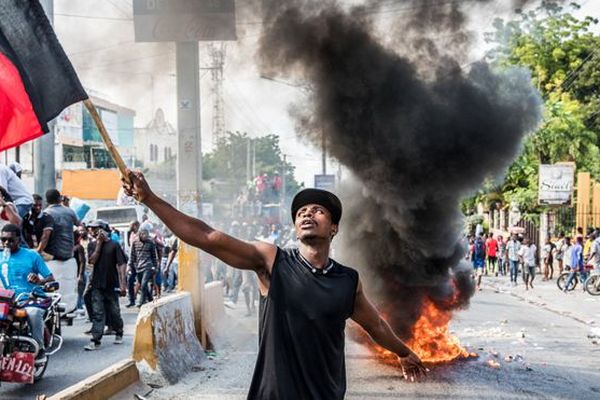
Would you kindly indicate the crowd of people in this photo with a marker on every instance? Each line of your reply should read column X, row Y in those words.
column 95, row 264
column 235, row 280
column 495, row 255
column 260, row 191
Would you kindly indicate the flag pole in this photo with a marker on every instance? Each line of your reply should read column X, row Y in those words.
column 106, row 139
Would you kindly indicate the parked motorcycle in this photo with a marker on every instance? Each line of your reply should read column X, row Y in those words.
column 19, row 361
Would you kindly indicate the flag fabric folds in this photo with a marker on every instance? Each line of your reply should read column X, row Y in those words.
column 37, row 80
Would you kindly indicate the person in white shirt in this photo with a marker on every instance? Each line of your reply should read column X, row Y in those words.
column 567, row 256
column 22, row 198
column 527, row 255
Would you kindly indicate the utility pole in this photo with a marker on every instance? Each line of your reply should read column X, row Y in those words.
column 189, row 171
column 283, row 183
column 44, row 174
column 323, row 154
column 253, row 159
column 217, row 54
column 248, row 160
column 283, row 179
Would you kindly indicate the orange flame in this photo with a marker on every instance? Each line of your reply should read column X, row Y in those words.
column 431, row 339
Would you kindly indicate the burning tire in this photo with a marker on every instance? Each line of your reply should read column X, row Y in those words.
column 562, row 280
column 592, row 285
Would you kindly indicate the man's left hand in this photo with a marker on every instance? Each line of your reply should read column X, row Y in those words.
column 412, row 367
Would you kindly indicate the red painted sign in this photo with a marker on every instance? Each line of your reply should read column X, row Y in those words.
column 17, row 367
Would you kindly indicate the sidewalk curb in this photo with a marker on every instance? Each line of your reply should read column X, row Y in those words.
column 542, row 304
column 102, row 385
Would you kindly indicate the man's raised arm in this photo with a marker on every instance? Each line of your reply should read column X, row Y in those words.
column 237, row 253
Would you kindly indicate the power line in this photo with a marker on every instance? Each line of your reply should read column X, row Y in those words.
column 93, row 17
column 249, row 107
column 125, row 61
column 100, row 48
column 571, row 78
column 117, row 7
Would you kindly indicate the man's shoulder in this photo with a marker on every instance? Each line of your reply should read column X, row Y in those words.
column 29, row 253
column 45, row 217
column 353, row 272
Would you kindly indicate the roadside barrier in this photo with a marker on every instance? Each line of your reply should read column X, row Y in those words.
column 102, row 385
column 165, row 345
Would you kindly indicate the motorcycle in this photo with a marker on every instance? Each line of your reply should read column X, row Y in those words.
column 19, row 361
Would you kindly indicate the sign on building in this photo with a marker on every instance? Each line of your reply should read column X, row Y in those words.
column 556, row 184
column 184, row 20
column 69, row 126
column 325, row 182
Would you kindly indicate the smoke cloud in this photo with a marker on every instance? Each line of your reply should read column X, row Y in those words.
column 418, row 133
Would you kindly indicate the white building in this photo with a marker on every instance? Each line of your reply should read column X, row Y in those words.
column 157, row 142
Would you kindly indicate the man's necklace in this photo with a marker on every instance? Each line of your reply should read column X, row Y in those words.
column 313, row 269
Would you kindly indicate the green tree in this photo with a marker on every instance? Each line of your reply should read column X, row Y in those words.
column 227, row 163
column 562, row 53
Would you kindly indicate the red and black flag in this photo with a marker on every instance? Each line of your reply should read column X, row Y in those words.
column 37, row 81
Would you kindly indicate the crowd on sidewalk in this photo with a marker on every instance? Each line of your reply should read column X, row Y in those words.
column 517, row 255
column 95, row 264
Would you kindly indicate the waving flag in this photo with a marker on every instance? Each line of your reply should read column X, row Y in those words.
column 37, row 81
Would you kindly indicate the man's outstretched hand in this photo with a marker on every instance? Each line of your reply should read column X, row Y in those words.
column 137, row 187
column 412, row 367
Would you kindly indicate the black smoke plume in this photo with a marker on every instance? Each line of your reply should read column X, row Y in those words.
column 418, row 134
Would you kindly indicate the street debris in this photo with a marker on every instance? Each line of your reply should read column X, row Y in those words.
column 493, row 364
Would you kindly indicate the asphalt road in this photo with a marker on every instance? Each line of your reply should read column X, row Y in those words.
column 72, row 363
column 544, row 331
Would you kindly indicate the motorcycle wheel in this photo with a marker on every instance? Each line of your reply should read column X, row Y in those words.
column 562, row 280
column 39, row 370
column 592, row 285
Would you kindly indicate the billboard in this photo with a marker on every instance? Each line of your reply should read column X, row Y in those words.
column 184, row 20
column 69, row 125
column 325, row 182
column 556, row 184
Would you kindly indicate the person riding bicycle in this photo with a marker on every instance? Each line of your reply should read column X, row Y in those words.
column 576, row 263
column 21, row 273
column 594, row 256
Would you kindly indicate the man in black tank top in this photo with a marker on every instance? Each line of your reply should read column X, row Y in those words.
column 306, row 298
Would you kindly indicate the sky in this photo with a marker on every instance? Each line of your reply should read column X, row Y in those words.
column 98, row 37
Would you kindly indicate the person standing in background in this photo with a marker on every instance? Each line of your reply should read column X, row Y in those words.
column 491, row 247
column 22, row 197
column 512, row 253
column 60, row 247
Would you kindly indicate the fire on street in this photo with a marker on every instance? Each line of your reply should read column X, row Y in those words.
column 528, row 345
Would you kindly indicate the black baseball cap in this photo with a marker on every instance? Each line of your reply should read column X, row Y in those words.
column 99, row 223
column 321, row 197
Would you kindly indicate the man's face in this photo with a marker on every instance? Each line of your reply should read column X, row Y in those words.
column 95, row 232
column 37, row 207
column 10, row 240
column 144, row 235
column 82, row 232
column 313, row 221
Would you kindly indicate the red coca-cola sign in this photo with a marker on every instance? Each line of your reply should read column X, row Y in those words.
column 17, row 367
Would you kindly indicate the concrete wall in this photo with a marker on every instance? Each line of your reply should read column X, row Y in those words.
column 165, row 345
column 214, row 307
